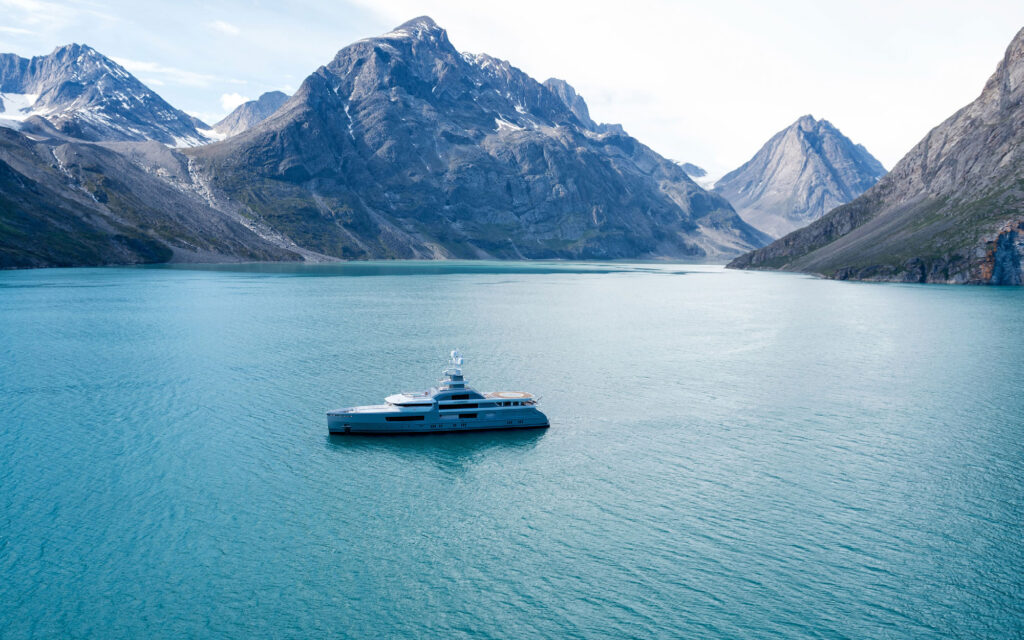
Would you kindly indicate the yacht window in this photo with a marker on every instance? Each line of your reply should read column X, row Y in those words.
column 460, row 396
column 457, row 406
column 465, row 416
column 402, row 418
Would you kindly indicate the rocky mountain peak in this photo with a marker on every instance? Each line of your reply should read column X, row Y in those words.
column 75, row 50
column 86, row 95
column 806, row 123
column 251, row 113
column 417, row 27
column 422, row 29
column 1005, row 88
column 800, row 174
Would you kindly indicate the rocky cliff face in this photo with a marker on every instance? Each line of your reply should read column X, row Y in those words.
column 575, row 102
column 803, row 172
column 85, row 95
column 402, row 146
column 950, row 211
column 251, row 113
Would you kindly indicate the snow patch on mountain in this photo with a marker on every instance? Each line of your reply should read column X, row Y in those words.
column 15, row 108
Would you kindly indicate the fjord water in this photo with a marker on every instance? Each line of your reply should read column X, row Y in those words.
column 732, row 454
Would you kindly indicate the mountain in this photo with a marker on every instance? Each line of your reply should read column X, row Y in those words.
column 952, row 210
column 403, row 147
column 71, row 203
column 86, row 95
column 693, row 170
column 249, row 114
column 802, row 173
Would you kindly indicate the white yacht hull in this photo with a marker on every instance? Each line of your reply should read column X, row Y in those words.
column 348, row 421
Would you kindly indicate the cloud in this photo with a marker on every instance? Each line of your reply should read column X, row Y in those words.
column 172, row 75
column 226, row 28
column 50, row 15
column 16, row 31
column 231, row 100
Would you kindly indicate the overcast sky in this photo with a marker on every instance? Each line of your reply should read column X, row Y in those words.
column 707, row 82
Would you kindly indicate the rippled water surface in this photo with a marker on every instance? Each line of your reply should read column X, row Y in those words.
column 731, row 455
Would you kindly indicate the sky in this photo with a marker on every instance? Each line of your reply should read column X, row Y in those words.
column 706, row 82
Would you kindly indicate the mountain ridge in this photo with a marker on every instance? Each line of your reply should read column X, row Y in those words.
column 86, row 95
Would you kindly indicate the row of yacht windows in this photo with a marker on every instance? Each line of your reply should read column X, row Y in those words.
column 507, row 403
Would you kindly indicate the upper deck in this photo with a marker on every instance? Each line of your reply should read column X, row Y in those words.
column 452, row 393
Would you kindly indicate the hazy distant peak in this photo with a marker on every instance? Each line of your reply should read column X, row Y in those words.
column 271, row 97
column 801, row 173
column 693, row 170
column 251, row 113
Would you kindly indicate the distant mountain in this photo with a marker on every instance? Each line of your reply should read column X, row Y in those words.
column 87, row 96
column 951, row 211
column 403, row 147
column 693, row 170
column 251, row 113
column 803, row 172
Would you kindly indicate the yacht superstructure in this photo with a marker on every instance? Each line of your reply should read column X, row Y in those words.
column 450, row 406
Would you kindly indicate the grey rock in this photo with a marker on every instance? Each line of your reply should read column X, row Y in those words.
column 799, row 175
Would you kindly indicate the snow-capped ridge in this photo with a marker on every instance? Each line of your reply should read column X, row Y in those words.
column 86, row 95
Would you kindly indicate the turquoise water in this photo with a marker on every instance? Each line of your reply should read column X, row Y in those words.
column 731, row 455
